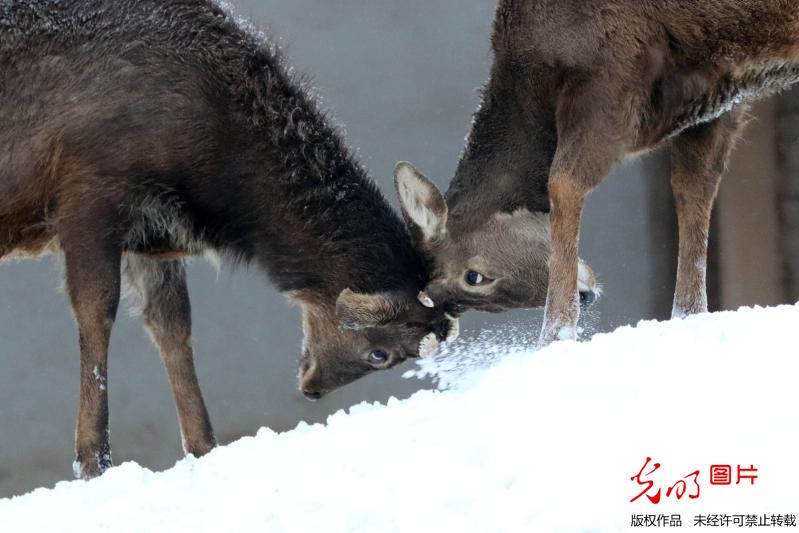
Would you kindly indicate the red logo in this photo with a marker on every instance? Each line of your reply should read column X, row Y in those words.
column 720, row 475
column 688, row 485
column 679, row 488
column 750, row 474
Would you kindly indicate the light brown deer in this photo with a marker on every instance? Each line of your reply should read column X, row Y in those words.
column 576, row 86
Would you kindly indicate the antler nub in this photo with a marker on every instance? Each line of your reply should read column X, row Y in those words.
column 425, row 300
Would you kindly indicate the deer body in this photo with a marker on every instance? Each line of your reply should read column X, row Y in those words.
column 136, row 133
column 576, row 86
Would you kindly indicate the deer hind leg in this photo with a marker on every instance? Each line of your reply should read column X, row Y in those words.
column 92, row 262
column 580, row 164
column 698, row 159
column 162, row 299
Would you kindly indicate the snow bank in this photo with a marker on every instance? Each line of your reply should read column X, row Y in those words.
column 543, row 441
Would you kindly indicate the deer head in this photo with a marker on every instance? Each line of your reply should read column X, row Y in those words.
column 495, row 264
column 363, row 333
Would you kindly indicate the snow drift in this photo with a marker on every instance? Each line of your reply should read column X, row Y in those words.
column 539, row 441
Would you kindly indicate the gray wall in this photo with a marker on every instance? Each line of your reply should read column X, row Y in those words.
column 401, row 79
column 787, row 189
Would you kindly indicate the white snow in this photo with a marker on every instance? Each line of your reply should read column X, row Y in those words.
column 541, row 441
column 99, row 378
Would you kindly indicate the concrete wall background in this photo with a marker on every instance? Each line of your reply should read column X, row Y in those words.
column 747, row 217
column 401, row 78
column 787, row 189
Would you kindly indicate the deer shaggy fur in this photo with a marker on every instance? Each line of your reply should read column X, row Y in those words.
column 136, row 133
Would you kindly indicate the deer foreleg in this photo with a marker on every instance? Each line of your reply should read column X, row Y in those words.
column 588, row 146
column 93, row 277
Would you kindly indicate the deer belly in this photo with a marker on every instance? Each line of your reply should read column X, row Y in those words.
column 705, row 97
column 23, row 235
column 160, row 229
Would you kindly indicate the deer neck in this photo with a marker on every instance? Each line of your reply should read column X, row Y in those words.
column 505, row 166
column 325, row 226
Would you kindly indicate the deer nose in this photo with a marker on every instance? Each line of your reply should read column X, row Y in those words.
column 305, row 375
column 586, row 279
column 312, row 395
column 587, row 298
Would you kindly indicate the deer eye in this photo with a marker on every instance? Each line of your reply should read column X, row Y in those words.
column 474, row 278
column 378, row 357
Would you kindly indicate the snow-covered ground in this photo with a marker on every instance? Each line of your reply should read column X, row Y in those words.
column 536, row 441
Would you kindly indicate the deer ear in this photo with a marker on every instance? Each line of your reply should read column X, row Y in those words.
column 423, row 205
column 359, row 311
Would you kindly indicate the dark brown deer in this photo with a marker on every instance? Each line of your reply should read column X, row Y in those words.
column 135, row 133
column 576, row 86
